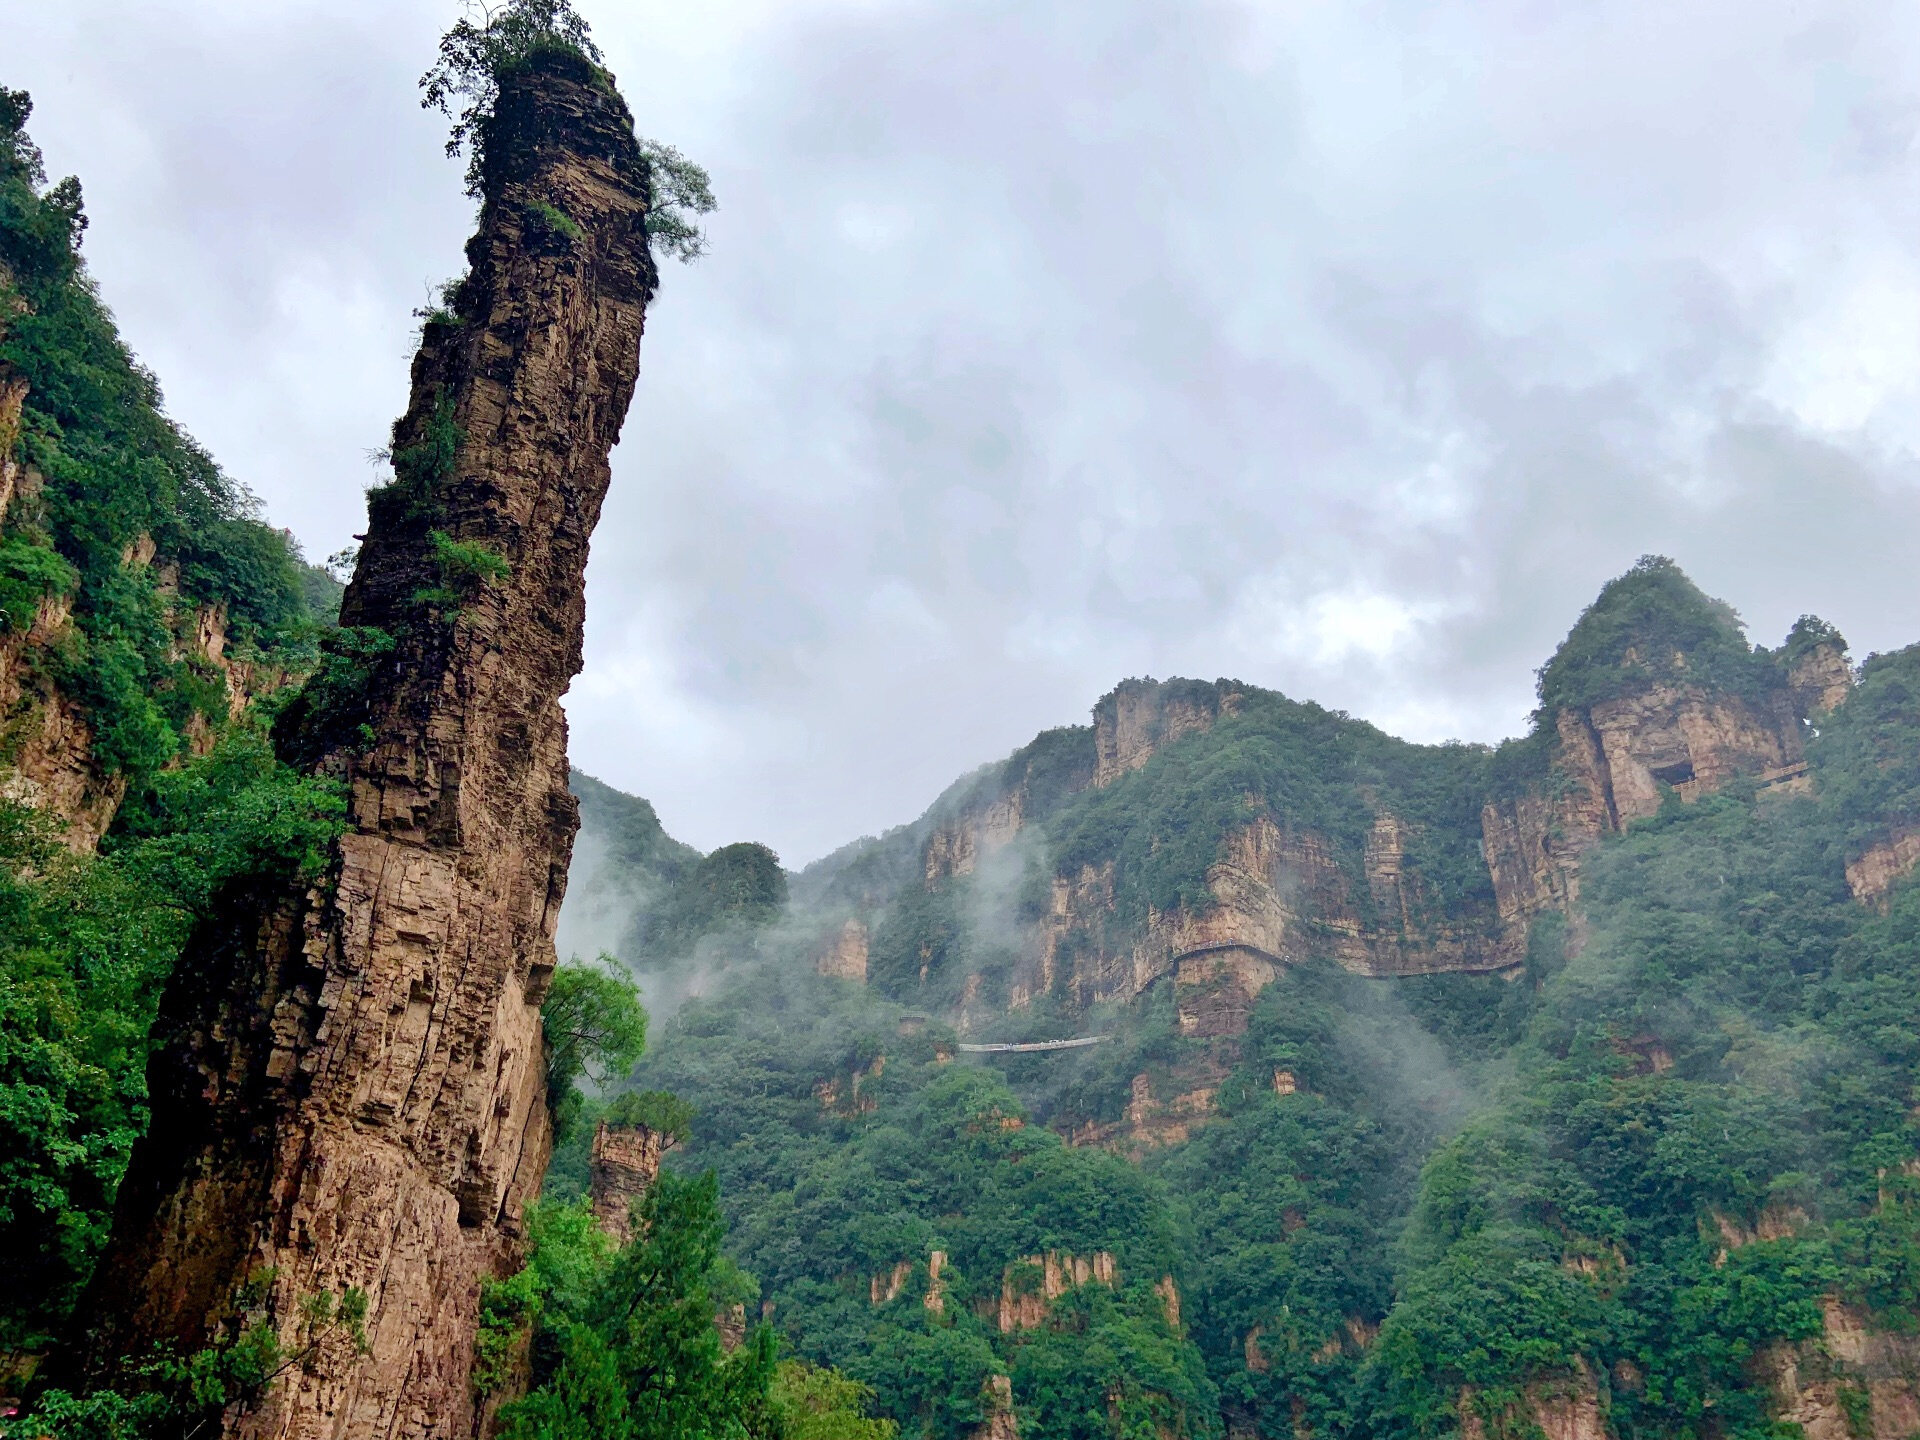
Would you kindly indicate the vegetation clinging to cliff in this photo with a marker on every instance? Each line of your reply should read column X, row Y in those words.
column 488, row 44
column 1649, row 625
column 116, row 471
column 86, row 945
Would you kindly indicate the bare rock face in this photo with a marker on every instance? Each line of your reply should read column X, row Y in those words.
column 350, row 1089
column 1614, row 764
column 624, row 1163
column 1143, row 716
column 959, row 844
column 1820, row 679
column 1814, row 1381
column 45, row 739
column 844, row 956
column 1001, row 1422
column 1565, row 1407
column 1871, row 875
column 48, row 742
column 1029, row 1287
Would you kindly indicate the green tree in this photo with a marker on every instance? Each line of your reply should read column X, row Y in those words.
column 595, row 1029
column 490, row 42
column 635, row 1355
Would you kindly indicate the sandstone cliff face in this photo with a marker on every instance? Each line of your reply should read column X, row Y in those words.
column 350, row 1089
column 1878, row 1372
column 1872, row 874
column 1143, row 716
column 844, row 956
column 1562, row 1408
column 1820, row 680
column 622, row 1166
column 1029, row 1287
column 45, row 741
column 957, row 846
column 1279, row 897
column 1613, row 763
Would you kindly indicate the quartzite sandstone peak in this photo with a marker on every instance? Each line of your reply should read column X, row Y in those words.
column 350, row 1090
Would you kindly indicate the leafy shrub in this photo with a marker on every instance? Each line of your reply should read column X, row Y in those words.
column 29, row 574
column 553, row 221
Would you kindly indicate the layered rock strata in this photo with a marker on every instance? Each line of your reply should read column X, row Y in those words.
column 1280, row 894
column 621, row 1168
column 349, row 1093
column 1141, row 717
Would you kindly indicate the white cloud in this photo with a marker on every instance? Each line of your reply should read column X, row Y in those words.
column 1342, row 349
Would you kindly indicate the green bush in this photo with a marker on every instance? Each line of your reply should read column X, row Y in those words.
column 30, row 574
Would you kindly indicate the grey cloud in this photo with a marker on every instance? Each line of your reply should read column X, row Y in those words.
column 1342, row 349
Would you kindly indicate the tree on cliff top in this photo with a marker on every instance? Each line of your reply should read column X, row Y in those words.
column 490, row 42
column 1651, row 625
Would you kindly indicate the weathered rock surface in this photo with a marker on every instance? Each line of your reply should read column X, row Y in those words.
column 350, row 1088
column 1029, row 1287
column 1565, row 1407
column 959, row 845
column 844, row 956
column 1141, row 717
column 1877, row 1370
column 621, row 1167
column 1873, row 873
column 1614, row 763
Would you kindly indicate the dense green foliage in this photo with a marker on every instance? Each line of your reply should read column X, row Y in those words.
column 116, row 472
column 1652, row 624
column 837, row 1169
column 1634, row 1169
column 623, row 1341
column 86, row 945
column 628, row 826
column 740, row 884
column 595, row 1030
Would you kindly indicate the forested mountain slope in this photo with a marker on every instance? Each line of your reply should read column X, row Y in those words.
column 1444, row 1089
column 149, row 622
column 1564, row 1085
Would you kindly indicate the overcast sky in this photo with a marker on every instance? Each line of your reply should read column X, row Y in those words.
column 1342, row 348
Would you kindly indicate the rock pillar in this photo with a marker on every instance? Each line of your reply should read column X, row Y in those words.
column 622, row 1167
column 349, row 1090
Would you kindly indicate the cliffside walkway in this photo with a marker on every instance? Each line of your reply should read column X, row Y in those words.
column 1029, row 1047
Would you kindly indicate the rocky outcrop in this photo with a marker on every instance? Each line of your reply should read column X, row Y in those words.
column 843, row 1094
column 349, row 1090
column 1562, row 1407
column 1215, row 987
column 1616, row 762
column 1872, row 874
column 621, row 1168
column 960, row 843
column 1855, row 1382
column 1029, row 1287
column 1141, row 717
column 1820, row 679
column 46, row 744
column 844, row 955
column 997, row 1402
column 1151, row 1122
column 1279, row 897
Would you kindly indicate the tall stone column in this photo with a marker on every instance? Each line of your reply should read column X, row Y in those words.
column 350, row 1089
